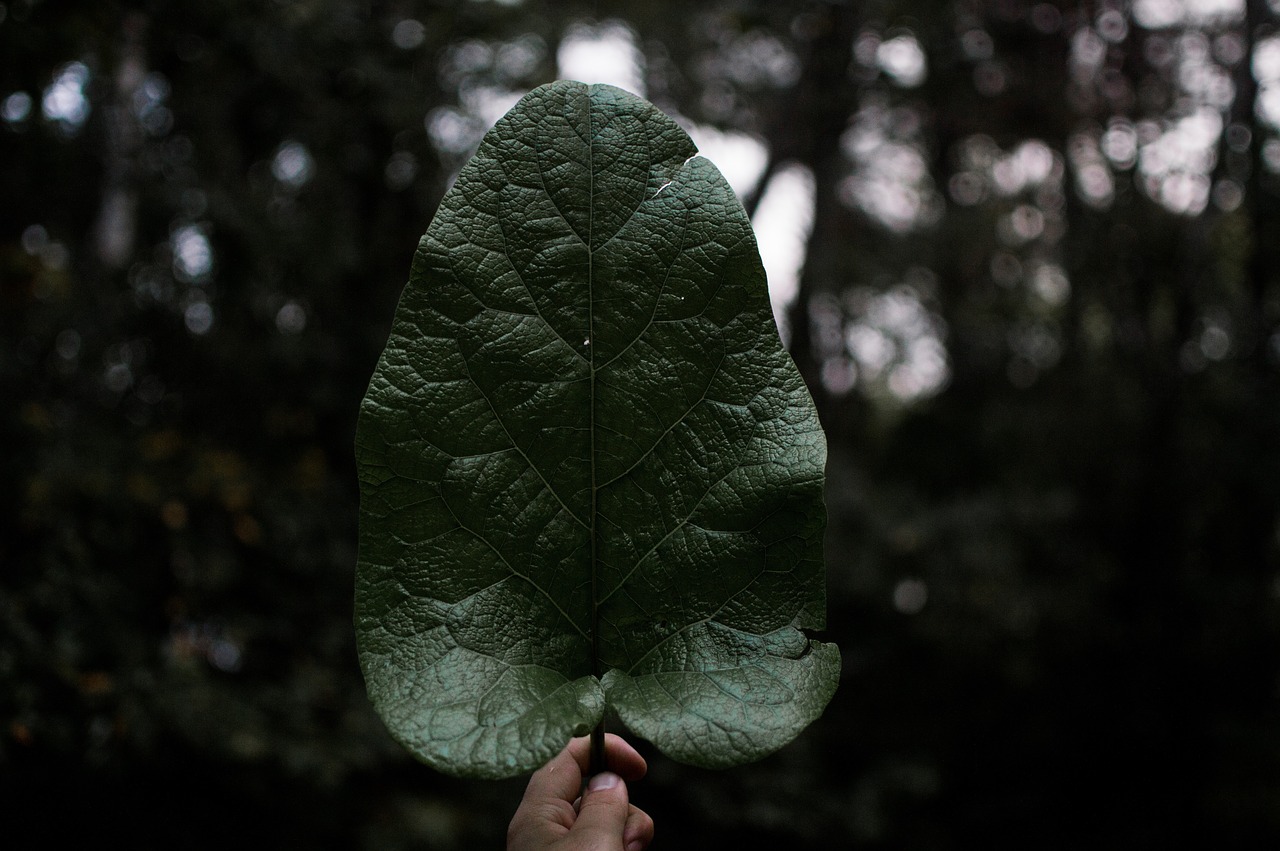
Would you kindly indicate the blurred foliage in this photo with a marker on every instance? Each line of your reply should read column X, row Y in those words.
column 1039, row 311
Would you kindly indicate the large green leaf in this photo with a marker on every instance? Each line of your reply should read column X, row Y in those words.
column 590, row 475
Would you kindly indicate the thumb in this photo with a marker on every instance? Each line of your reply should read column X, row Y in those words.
column 603, row 813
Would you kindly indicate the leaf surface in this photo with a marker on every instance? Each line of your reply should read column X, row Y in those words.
column 591, row 478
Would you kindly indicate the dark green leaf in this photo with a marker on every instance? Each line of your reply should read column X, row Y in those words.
column 591, row 476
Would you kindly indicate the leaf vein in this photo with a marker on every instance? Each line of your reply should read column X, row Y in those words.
column 516, row 446
column 482, row 539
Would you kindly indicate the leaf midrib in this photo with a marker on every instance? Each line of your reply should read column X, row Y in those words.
column 591, row 368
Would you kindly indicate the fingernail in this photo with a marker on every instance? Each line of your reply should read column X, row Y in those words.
column 603, row 780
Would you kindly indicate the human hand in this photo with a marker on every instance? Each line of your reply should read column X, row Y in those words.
column 548, row 820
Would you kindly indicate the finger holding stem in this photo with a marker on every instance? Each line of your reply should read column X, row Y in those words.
column 547, row 814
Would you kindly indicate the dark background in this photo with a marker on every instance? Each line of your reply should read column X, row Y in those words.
column 1040, row 315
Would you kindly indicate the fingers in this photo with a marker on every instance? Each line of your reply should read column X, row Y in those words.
column 561, row 778
column 622, row 759
column 637, row 833
column 603, row 815
column 547, row 811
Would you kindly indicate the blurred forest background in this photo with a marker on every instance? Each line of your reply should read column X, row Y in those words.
column 1026, row 254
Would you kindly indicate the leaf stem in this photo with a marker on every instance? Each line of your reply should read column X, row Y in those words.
column 598, row 761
